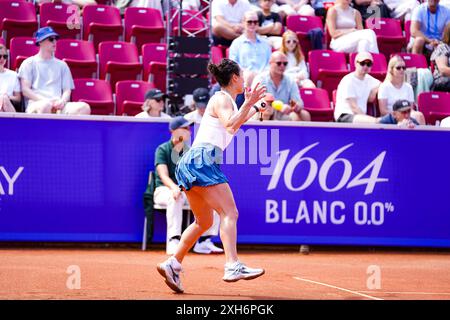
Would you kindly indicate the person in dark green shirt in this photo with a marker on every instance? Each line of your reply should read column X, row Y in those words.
column 168, row 194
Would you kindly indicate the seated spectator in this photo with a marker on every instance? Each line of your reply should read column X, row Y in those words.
column 226, row 20
column 355, row 90
column 346, row 30
column 153, row 105
column 283, row 88
column 395, row 88
column 123, row 4
column 9, row 84
column 401, row 9
column 445, row 123
column 372, row 9
column 80, row 3
column 441, row 59
column 46, row 81
column 321, row 6
column 290, row 7
column 191, row 5
column 200, row 101
column 269, row 23
column 427, row 26
column 400, row 115
column 167, row 192
column 296, row 60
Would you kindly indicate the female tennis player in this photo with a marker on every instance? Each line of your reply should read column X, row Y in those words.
column 199, row 175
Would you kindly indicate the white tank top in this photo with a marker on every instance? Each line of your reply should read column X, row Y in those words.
column 211, row 129
column 345, row 19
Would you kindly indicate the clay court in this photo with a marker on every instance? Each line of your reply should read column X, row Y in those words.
column 128, row 273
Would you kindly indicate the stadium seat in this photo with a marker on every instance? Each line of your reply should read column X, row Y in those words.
column 413, row 60
column 119, row 61
column 63, row 18
column 151, row 53
column 407, row 31
column 379, row 68
column 143, row 25
column 130, row 95
column 435, row 106
column 17, row 19
column 301, row 25
column 101, row 23
column 157, row 75
column 317, row 103
column 21, row 48
column 96, row 93
column 79, row 55
column 389, row 33
column 327, row 68
column 193, row 23
column 216, row 54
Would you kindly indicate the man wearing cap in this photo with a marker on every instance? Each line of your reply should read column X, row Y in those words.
column 200, row 100
column 46, row 81
column 401, row 115
column 153, row 105
column 355, row 90
column 168, row 193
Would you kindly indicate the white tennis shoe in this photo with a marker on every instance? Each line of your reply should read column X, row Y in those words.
column 170, row 270
column 238, row 271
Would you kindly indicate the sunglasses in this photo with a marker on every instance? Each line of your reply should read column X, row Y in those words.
column 406, row 111
column 366, row 63
column 400, row 68
column 252, row 22
column 291, row 41
column 4, row 56
column 51, row 39
column 279, row 63
column 159, row 99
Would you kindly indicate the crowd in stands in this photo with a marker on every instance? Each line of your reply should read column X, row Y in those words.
column 259, row 36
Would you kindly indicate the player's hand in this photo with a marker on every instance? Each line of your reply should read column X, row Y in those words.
column 176, row 193
column 252, row 96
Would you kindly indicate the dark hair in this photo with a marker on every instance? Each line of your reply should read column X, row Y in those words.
column 223, row 71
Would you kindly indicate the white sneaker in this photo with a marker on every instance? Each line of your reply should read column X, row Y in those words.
column 171, row 246
column 211, row 246
column 238, row 271
column 202, row 248
column 170, row 270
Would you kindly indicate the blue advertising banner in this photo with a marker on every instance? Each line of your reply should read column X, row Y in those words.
column 83, row 180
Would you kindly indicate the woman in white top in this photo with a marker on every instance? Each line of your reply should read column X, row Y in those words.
column 296, row 66
column 396, row 88
column 199, row 175
column 9, row 84
column 346, row 30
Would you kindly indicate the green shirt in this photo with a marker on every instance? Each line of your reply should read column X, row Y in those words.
column 163, row 155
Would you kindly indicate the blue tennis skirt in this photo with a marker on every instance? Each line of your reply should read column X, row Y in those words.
column 200, row 166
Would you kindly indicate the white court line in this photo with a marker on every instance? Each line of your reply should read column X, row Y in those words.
column 412, row 293
column 338, row 288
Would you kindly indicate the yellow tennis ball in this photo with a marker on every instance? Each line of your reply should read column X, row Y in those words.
column 277, row 105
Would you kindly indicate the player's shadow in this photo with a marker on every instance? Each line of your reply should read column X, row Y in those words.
column 236, row 296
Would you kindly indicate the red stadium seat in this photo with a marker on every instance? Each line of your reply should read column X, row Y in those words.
column 17, row 19
column 413, row 60
column 389, row 34
column 301, row 25
column 96, row 93
column 151, row 53
column 407, row 30
column 63, row 18
column 435, row 106
column 21, row 48
column 130, row 95
column 143, row 25
column 119, row 61
column 157, row 75
column 79, row 55
column 327, row 68
column 379, row 68
column 317, row 103
column 193, row 23
column 216, row 54
column 101, row 23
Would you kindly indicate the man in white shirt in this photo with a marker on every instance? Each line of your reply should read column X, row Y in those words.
column 153, row 105
column 355, row 90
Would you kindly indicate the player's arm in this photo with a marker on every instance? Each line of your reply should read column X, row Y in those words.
column 163, row 173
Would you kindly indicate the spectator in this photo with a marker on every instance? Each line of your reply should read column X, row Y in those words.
column 153, row 105
column 290, row 7
column 427, row 26
column 441, row 59
column 227, row 17
column 372, row 9
column 321, row 6
column 445, row 123
column 191, row 5
column 9, row 84
column 296, row 60
column 346, row 29
column 46, row 81
column 200, row 100
column 355, row 90
column 80, row 3
column 168, row 194
column 269, row 23
column 395, row 87
column 401, row 9
column 123, row 4
column 268, row 113
column 400, row 115
column 283, row 88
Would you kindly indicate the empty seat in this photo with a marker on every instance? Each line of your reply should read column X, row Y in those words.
column 96, row 93
column 389, row 33
column 153, row 53
column 79, row 55
column 413, row 59
column 119, row 61
column 379, row 68
column 317, row 103
column 435, row 106
column 17, row 19
column 301, row 25
column 143, row 25
column 63, row 18
column 193, row 23
column 130, row 95
column 21, row 48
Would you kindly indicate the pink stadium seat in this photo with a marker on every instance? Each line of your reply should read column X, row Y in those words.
column 17, row 19
column 143, row 25
column 327, row 68
column 216, row 54
column 389, row 34
column 193, row 22
column 96, row 93
column 408, row 30
column 130, row 96
column 21, row 48
column 317, row 103
column 101, row 23
column 79, row 55
column 63, row 18
column 301, row 25
column 434, row 106
column 379, row 68
column 119, row 61
column 157, row 75
column 413, row 60
column 151, row 53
